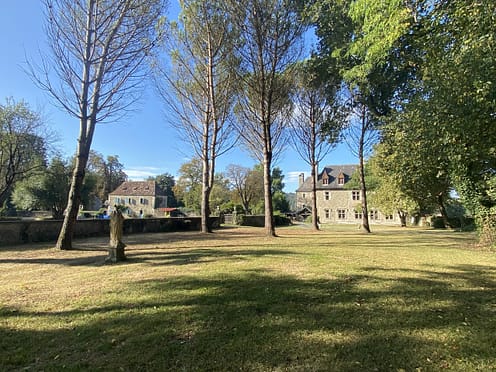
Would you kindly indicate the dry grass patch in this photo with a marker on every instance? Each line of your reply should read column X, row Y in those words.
column 337, row 299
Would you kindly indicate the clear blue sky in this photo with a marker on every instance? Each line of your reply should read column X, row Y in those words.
column 146, row 146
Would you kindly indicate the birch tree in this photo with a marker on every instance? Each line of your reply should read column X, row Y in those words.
column 198, row 86
column 95, row 71
column 271, row 31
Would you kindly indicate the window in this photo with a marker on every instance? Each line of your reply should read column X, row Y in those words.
column 358, row 215
column 143, row 201
column 304, row 196
column 327, row 213
column 325, row 181
column 374, row 215
column 341, row 180
column 355, row 195
column 389, row 216
column 341, row 214
column 326, row 195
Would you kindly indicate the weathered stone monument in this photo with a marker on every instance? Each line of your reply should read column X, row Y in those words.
column 116, row 249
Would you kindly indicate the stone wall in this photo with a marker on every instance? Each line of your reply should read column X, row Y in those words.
column 28, row 231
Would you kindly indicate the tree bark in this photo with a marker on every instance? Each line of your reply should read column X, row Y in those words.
column 64, row 241
column 315, row 218
column 442, row 209
column 269, row 208
column 363, row 186
column 402, row 216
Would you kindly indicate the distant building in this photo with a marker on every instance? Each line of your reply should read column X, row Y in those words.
column 335, row 203
column 140, row 198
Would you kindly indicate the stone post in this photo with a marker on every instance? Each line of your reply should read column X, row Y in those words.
column 116, row 249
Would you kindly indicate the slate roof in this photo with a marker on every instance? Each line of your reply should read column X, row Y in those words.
column 138, row 188
column 331, row 172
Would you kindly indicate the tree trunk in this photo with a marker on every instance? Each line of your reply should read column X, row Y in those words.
column 315, row 217
column 205, row 209
column 269, row 209
column 66, row 234
column 442, row 209
column 363, row 186
column 402, row 216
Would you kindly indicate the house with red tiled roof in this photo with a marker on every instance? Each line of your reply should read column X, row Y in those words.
column 140, row 198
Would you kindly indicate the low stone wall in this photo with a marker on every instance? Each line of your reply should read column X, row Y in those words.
column 28, row 231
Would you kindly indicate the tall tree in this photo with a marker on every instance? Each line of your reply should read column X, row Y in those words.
column 189, row 184
column 199, row 85
column 46, row 191
column 109, row 173
column 346, row 32
column 315, row 125
column 98, row 52
column 23, row 145
column 167, row 183
column 361, row 135
column 241, row 179
column 271, row 31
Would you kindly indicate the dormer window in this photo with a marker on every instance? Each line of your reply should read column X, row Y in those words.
column 341, row 179
column 325, row 181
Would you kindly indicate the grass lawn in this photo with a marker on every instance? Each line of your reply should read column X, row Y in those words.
column 336, row 300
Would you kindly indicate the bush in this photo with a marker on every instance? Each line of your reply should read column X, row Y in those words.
column 464, row 223
column 280, row 220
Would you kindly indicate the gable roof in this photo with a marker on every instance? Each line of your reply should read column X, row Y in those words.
column 138, row 188
column 331, row 173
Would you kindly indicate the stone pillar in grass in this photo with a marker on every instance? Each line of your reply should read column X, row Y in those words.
column 116, row 249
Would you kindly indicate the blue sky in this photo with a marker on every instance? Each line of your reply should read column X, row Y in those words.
column 144, row 142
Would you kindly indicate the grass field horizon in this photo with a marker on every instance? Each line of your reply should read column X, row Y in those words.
column 335, row 300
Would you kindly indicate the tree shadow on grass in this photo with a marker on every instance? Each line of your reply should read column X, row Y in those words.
column 260, row 321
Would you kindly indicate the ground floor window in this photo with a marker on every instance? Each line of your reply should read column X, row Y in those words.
column 341, row 214
column 389, row 217
column 327, row 213
column 358, row 215
column 374, row 215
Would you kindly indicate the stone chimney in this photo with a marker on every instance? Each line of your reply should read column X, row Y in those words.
column 301, row 179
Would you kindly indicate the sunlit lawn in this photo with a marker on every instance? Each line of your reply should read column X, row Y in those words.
column 337, row 300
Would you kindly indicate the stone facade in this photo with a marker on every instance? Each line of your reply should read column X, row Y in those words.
column 140, row 198
column 335, row 202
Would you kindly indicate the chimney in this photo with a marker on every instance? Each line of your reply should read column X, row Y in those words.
column 301, row 179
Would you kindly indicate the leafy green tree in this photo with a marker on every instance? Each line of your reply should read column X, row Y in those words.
column 365, row 41
column 47, row 190
column 420, row 166
column 457, row 98
column 246, row 184
column 167, row 183
column 189, row 185
column 24, row 139
column 221, row 192
column 387, row 195
column 108, row 173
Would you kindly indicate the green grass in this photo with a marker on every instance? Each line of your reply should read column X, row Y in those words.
column 336, row 300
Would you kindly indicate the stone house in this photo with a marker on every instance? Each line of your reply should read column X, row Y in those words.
column 335, row 202
column 141, row 198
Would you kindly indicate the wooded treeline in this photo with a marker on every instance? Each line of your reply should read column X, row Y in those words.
column 408, row 84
